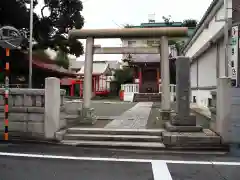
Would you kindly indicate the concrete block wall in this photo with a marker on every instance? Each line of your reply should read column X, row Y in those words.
column 234, row 126
column 226, row 122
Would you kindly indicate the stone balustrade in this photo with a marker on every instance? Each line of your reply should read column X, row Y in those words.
column 28, row 113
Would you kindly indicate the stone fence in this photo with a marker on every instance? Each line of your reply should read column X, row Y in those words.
column 35, row 112
column 225, row 111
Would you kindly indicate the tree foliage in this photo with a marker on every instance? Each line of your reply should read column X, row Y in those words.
column 167, row 20
column 41, row 54
column 192, row 23
column 123, row 76
column 51, row 27
column 62, row 59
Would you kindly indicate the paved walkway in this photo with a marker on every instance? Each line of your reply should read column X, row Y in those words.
column 134, row 118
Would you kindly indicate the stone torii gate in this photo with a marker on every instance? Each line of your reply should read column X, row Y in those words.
column 162, row 33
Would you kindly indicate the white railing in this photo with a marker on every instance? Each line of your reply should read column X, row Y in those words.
column 172, row 91
column 134, row 88
column 129, row 91
column 172, row 88
column 130, row 88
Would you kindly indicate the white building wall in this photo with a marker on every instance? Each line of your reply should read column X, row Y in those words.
column 207, row 70
column 206, row 64
column 222, row 60
column 213, row 28
column 144, row 43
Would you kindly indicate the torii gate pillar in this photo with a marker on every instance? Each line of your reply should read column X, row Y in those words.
column 87, row 113
column 165, row 80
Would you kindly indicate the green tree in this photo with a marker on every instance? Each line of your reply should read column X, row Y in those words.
column 167, row 20
column 50, row 27
column 178, row 45
column 191, row 23
column 123, row 76
column 41, row 54
column 62, row 59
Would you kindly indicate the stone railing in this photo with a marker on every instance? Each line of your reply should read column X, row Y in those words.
column 38, row 112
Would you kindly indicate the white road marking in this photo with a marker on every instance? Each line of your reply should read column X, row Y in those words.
column 116, row 159
column 71, row 157
column 160, row 171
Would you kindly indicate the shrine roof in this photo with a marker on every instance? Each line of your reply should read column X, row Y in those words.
column 99, row 68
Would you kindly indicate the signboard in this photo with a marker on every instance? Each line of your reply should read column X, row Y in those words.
column 10, row 37
column 234, row 54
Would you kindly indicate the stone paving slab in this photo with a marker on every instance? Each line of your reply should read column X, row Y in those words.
column 134, row 118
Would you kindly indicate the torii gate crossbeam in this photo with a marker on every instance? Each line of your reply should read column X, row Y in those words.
column 129, row 33
column 137, row 33
column 126, row 50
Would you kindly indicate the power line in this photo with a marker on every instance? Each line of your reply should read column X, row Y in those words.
column 117, row 24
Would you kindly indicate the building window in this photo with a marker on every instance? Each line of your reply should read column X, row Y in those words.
column 194, row 99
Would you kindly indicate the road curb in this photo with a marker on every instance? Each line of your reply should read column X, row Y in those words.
column 166, row 150
column 30, row 141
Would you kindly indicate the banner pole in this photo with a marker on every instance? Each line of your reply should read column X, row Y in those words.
column 6, row 94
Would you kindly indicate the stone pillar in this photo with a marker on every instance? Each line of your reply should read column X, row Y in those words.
column 165, row 80
column 88, row 66
column 183, row 121
column 182, row 87
column 223, row 105
column 87, row 115
column 52, row 107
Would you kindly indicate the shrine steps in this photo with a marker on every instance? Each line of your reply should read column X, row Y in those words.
column 146, row 97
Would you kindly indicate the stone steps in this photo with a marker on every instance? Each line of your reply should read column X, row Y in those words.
column 105, row 137
column 117, row 138
column 148, row 139
column 147, row 97
column 116, row 144
column 149, row 132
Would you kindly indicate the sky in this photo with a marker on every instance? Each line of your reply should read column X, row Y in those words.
column 116, row 13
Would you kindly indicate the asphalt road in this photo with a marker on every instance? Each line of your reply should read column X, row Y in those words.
column 37, row 162
column 62, row 168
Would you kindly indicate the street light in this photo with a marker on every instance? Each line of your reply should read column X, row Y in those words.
column 30, row 45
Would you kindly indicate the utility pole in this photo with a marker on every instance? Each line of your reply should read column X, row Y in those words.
column 226, row 38
column 30, row 45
